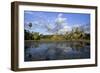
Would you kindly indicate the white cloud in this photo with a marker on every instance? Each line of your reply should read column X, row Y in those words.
column 60, row 19
column 77, row 25
column 64, row 24
column 60, row 15
column 64, row 29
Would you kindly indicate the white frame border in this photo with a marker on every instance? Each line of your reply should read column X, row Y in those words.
column 33, row 64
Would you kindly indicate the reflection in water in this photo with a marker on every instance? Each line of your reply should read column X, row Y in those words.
column 37, row 51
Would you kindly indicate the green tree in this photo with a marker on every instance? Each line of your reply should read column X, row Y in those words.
column 36, row 36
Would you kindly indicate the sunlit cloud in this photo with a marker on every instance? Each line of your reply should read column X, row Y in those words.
column 64, row 24
column 60, row 19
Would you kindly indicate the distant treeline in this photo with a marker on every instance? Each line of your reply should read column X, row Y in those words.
column 75, row 34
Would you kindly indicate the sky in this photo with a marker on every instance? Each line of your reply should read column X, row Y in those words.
column 52, row 22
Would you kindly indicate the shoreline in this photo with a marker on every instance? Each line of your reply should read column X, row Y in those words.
column 57, row 40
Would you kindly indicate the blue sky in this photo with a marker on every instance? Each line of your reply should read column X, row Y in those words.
column 42, row 20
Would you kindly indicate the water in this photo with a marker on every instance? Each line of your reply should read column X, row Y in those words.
column 39, row 51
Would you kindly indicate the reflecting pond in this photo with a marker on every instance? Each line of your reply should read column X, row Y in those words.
column 39, row 51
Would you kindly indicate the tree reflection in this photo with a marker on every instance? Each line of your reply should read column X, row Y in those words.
column 37, row 51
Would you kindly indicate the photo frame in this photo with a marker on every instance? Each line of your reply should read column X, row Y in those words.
column 52, row 36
